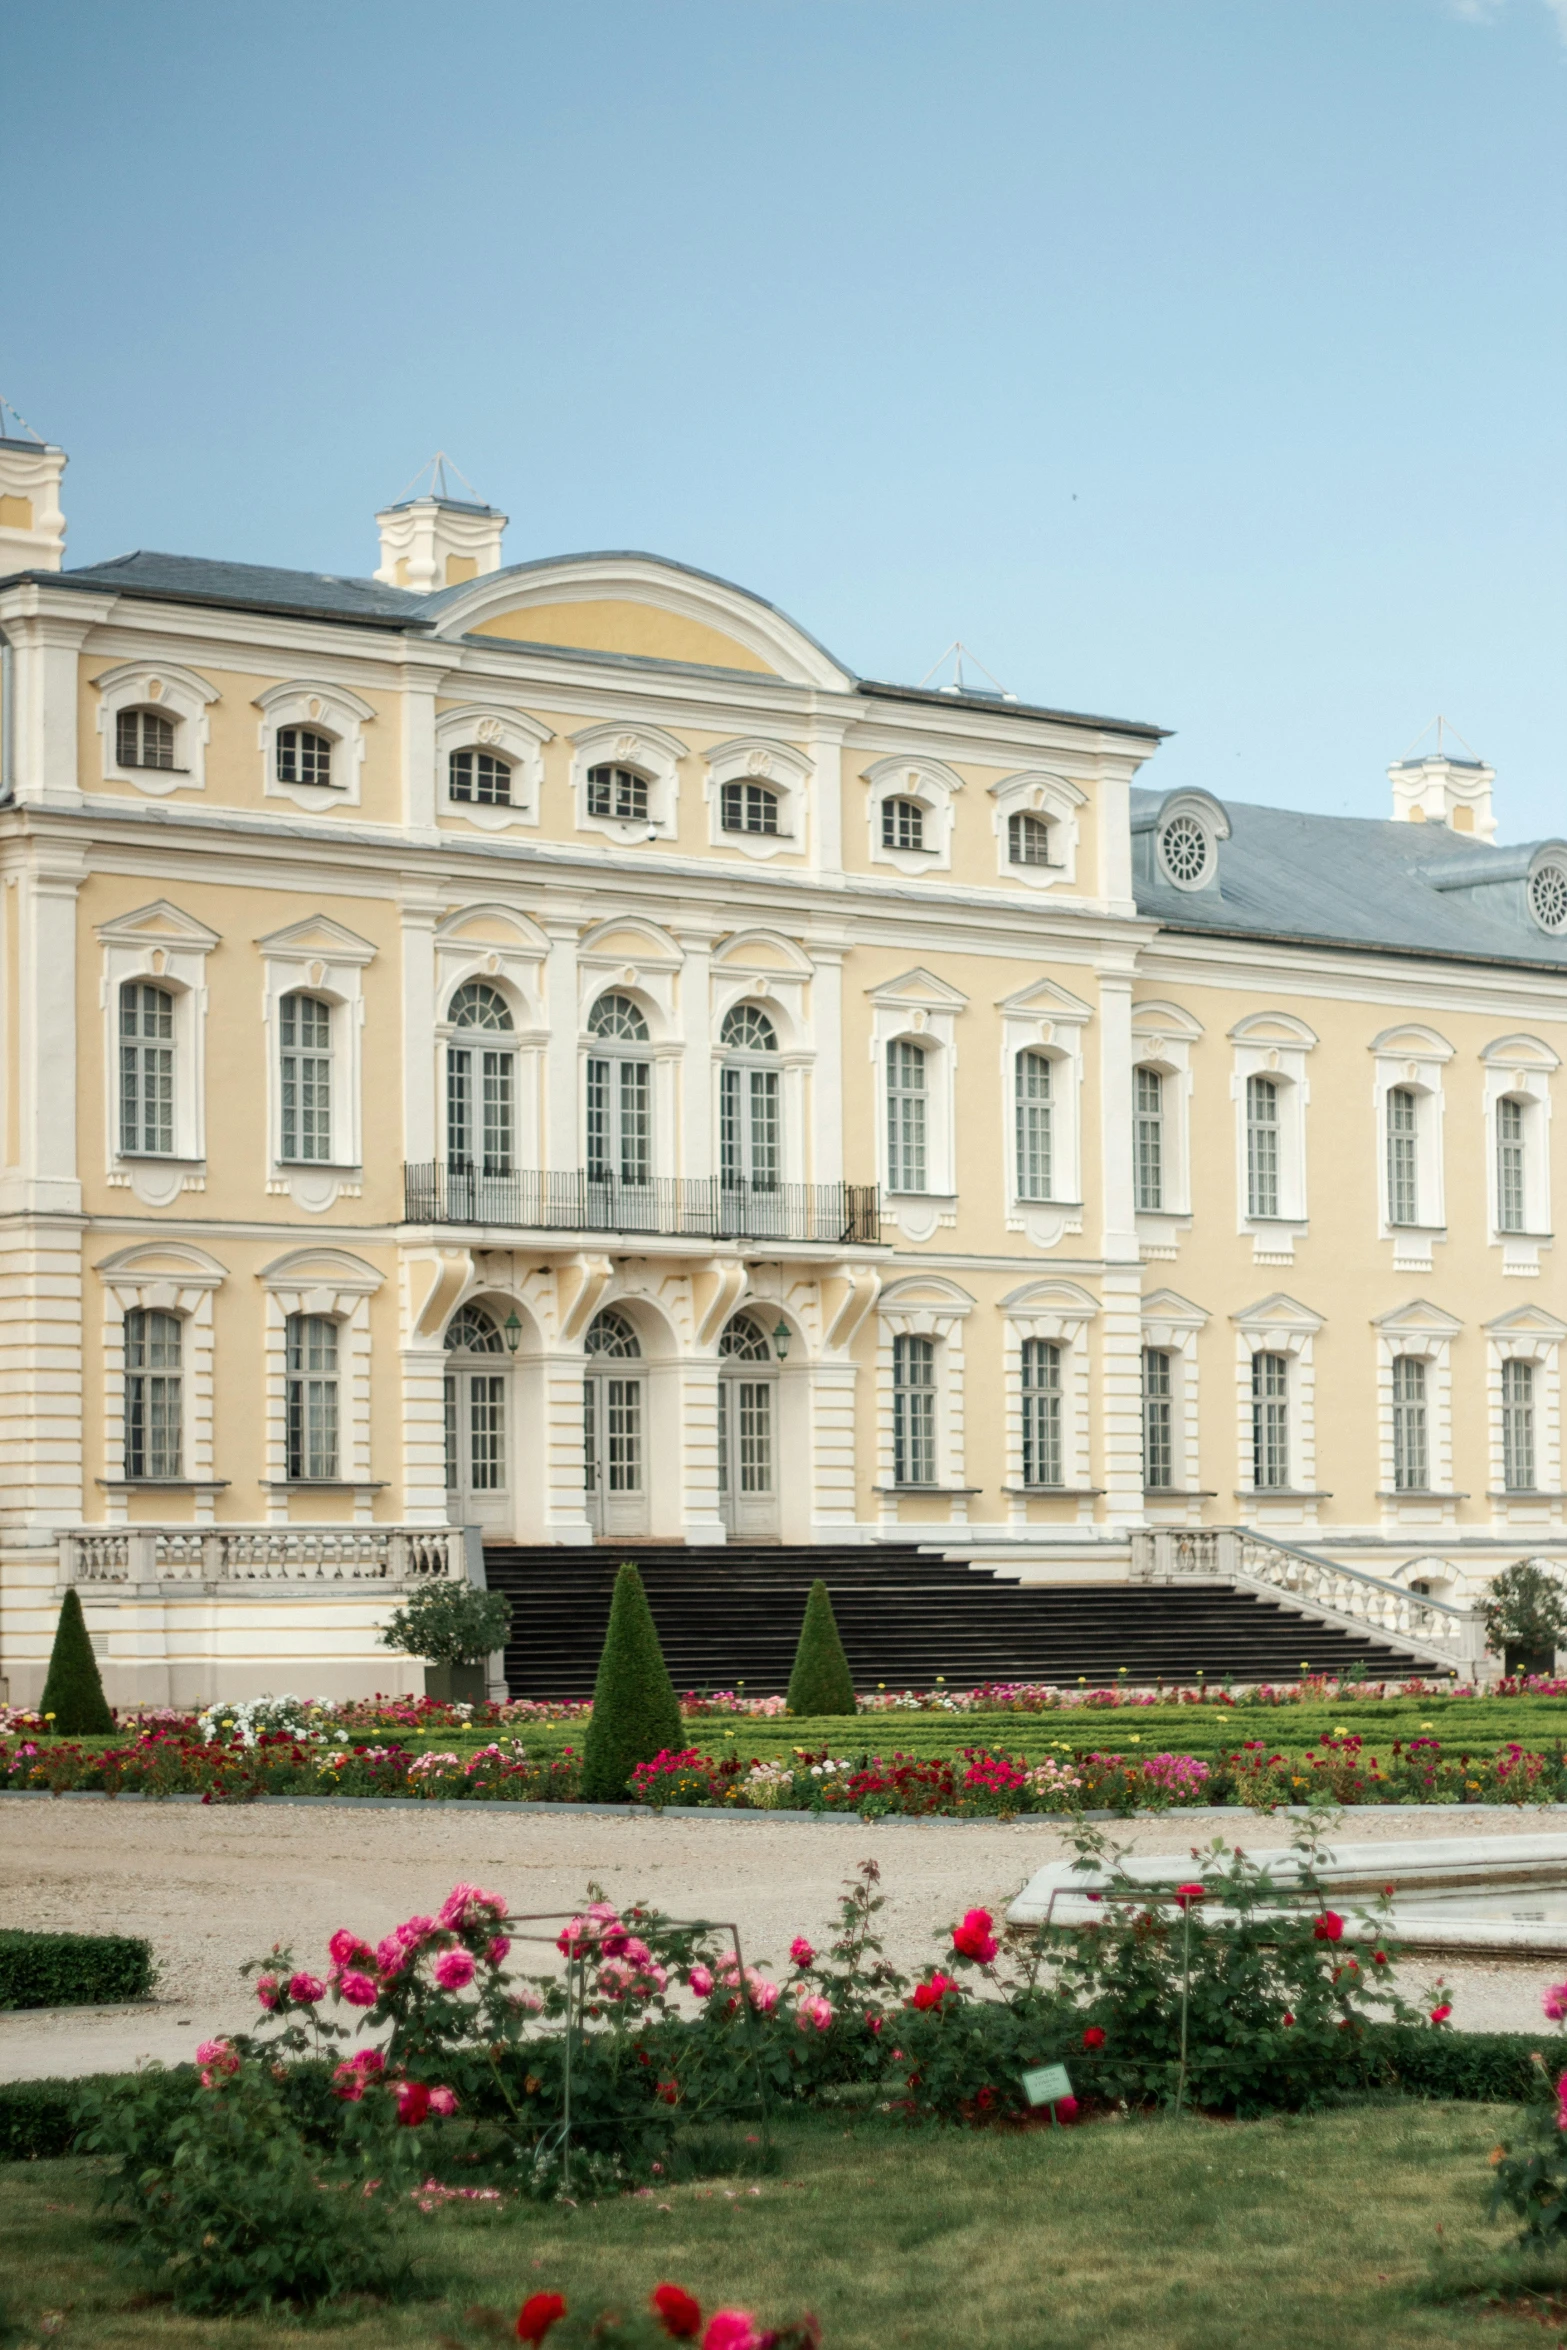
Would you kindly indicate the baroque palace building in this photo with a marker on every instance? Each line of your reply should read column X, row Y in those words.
column 545, row 1049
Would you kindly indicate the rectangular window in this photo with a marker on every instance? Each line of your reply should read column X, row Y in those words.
column 1411, row 1468
column 1034, row 1139
column 914, row 1411
column 450, row 1432
column 619, row 793
column 1509, row 1166
column 1518, row 1427
column 1270, row 1436
column 1158, row 1420
column 1262, row 1146
column 481, row 778
column 305, row 1071
column 905, row 1116
column 748, row 807
column 902, row 824
column 623, row 1433
column 143, row 739
column 146, row 1070
column 1403, row 1188
column 486, row 1432
column 1149, row 1141
column 1042, row 1450
column 311, row 1395
column 755, row 1414
column 152, row 1394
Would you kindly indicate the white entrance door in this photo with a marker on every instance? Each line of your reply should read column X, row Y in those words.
column 478, row 1438
column 747, row 1430
column 614, row 1428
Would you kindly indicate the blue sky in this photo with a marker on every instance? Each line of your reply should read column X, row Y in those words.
column 1192, row 360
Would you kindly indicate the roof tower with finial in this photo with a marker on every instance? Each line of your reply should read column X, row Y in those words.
column 432, row 539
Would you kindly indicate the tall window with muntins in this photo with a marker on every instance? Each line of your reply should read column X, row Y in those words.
column 1158, row 1421
column 748, row 807
column 744, row 1341
column 1034, row 1136
column 1270, row 1434
column 479, row 777
column 612, row 1407
column 305, row 1075
column 617, row 792
column 1509, row 1166
column 914, row 1411
column 310, row 1348
column 906, row 1100
column 902, row 824
column 152, row 1394
column 1042, row 1447
column 1403, row 1172
column 1028, row 840
column 303, row 756
column 620, row 1094
column 749, row 1140
column 479, row 1082
column 143, row 738
column 1518, row 1427
column 1148, row 1138
column 1411, row 1461
column 1262, row 1146
column 146, row 1070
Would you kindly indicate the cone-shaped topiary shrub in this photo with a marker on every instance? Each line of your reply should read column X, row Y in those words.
column 636, row 1713
column 821, row 1682
column 73, row 1692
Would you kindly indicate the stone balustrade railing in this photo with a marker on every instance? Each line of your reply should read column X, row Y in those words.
column 284, row 1557
column 1430, row 1631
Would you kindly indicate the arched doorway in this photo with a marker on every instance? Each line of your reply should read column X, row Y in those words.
column 747, row 1429
column 478, row 1433
column 614, row 1427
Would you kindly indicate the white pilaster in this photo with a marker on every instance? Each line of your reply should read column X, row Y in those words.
column 562, row 1142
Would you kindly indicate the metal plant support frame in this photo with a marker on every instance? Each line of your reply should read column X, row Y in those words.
column 558, row 2139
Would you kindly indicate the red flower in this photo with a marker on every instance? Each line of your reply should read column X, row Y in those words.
column 1066, row 2109
column 1379, row 1958
column 1286, row 2017
column 1094, row 2036
column 413, row 2103
column 1439, row 2015
column 972, row 1938
column 676, row 2312
column 931, row 1994
column 538, row 2313
column 1185, row 1895
column 1328, row 1927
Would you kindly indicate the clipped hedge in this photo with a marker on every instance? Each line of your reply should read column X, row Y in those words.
column 1484, row 2068
column 72, row 1970
column 37, row 2119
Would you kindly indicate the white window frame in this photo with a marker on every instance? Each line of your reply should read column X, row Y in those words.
column 175, row 693
column 325, row 709
column 1162, row 1039
column 1037, row 791
column 166, row 1278
column 783, row 770
column 1425, row 1332
column 924, row 1306
column 1171, row 1325
column 1279, row 1325
column 762, row 967
column 650, row 752
column 651, row 978
column 1528, row 1335
column 330, row 1282
column 925, row 1011
column 318, row 957
column 159, row 946
column 1062, row 1314
column 934, row 787
column 1519, row 1068
column 504, row 950
column 1411, row 1059
column 1276, row 1045
column 505, row 734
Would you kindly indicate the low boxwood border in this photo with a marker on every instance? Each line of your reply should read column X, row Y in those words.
column 72, row 1970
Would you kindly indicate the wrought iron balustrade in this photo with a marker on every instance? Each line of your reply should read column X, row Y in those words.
column 668, row 1206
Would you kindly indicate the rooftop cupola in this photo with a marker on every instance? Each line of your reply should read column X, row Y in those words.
column 32, row 527
column 1434, row 787
column 433, row 539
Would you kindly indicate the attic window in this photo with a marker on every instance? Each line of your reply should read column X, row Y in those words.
column 617, row 792
column 1184, row 851
column 1548, row 896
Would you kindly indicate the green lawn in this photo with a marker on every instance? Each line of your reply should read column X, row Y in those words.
column 1156, row 2235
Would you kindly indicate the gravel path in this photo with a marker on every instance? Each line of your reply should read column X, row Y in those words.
column 211, row 1886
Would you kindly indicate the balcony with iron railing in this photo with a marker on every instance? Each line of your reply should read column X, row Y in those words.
column 835, row 1215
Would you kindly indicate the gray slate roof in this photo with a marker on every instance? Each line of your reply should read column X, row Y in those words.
column 1358, row 881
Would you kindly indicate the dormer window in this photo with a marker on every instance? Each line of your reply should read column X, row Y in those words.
column 1184, row 850
column 748, row 807
column 902, row 824
column 1028, row 840
column 143, row 738
column 303, row 756
column 619, row 793
column 1548, row 896
column 480, row 778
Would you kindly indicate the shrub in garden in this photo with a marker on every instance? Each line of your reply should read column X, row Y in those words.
column 449, row 1624
column 821, row 1682
column 72, row 1970
column 1531, row 2166
column 1525, row 1617
column 73, row 1691
column 636, row 1713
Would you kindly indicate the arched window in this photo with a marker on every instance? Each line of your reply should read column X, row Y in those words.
column 1041, row 1412
column 748, row 807
column 906, row 1115
column 902, row 824
column 152, row 1394
column 620, row 1094
column 480, row 777
column 1184, row 849
column 1028, row 839
column 1149, row 1138
column 744, row 1341
column 1518, row 1426
column 1403, row 1162
column 618, row 792
column 143, row 738
column 1411, row 1462
column 1158, row 1421
column 1034, row 1137
column 311, row 1396
column 1270, row 1435
column 146, row 1070
column 303, row 756
column 749, row 1146
column 1509, row 1165
column 914, row 1411
column 305, row 1077
column 1262, row 1146
column 611, row 1334
column 479, row 1083
column 472, row 1331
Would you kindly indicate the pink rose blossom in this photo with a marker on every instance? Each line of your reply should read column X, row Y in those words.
column 801, row 1952
column 764, row 1995
column 817, row 2011
column 413, row 1931
column 466, row 1905
column 305, row 1989
column 701, row 1982
column 572, row 1932
column 266, row 1990
column 443, row 2101
column 1561, row 2103
column 389, row 1956
column 731, row 2329
column 357, row 1989
column 499, row 1949
column 345, row 1946
column 1556, row 2002
column 525, row 2002
column 453, row 1969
